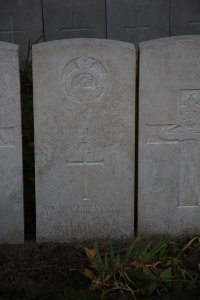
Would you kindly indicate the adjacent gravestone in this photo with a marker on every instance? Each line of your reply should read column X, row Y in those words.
column 84, row 98
column 21, row 23
column 169, row 141
column 185, row 17
column 137, row 20
column 11, row 188
column 74, row 18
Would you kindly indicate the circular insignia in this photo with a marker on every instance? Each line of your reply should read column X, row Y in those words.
column 83, row 79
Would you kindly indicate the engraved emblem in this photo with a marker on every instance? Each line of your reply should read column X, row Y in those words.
column 188, row 125
column 83, row 79
column 187, row 131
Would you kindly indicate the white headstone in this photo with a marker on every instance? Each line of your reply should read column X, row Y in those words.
column 84, row 98
column 169, row 140
column 11, row 187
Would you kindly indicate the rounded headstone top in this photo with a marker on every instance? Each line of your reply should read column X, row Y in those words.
column 169, row 40
column 8, row 46
column 82, row 41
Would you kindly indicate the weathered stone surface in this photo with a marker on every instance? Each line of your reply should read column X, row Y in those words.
column 185, row 17
column 74, row 19
column 169, row 140
column 11, row 187
column 84, row 94
column 137, row 20
column 21, row 21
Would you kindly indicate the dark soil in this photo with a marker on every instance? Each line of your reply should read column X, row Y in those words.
column 40, row 271
column 53, row 271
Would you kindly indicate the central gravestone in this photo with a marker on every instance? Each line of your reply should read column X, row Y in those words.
column 169, row 142
column 84, row 97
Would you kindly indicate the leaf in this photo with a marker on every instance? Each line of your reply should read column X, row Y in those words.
column 137, row 248
column 166, row 274
column 112, row 255
column 130, row 250
column 127, row 278
column 140, row 274
column 144, row 255
column 108, row 277
column 106, row 260
column 152, row 253
column 90, row 253
column 137, row 265
column 190, row 243
column 131, row 291
column 95, row 283
column 88, row 274
column 183, row 272
column 98, row 256
column 152, row 287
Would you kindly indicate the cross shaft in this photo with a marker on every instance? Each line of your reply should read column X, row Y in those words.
column 137, row 27
column 75, row 29
column 84, row 163
column 11, row 30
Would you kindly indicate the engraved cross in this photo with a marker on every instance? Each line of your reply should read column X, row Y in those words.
column 139, row 29
column 187, row 133
column 194, row 23
column 75, row 29
column 11, row 30
column 84, row 163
